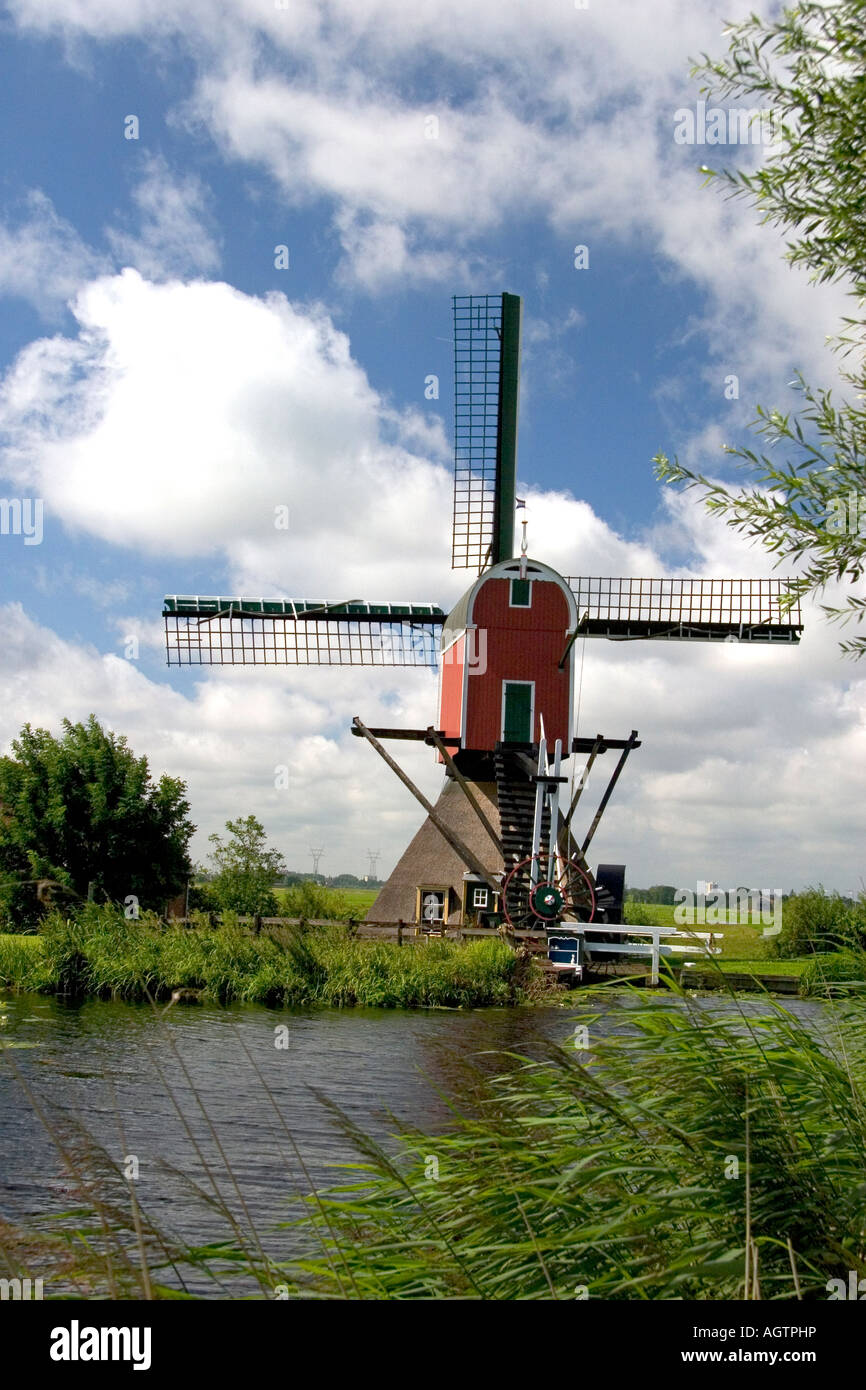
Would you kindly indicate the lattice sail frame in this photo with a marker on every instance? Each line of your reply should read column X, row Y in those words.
column 281, row 632
column 486, row 381
column 689, row 610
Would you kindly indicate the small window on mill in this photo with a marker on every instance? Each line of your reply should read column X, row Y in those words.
column 432, row 905
column 521, row 593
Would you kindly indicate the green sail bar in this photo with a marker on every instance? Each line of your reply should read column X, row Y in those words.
column 195, row 606
column 225, row 630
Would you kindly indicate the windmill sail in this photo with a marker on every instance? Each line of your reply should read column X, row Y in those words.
column 218, row 631
column 486, row 375
column 688, row 610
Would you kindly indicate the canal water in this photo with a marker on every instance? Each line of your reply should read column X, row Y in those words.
column 194, row 1091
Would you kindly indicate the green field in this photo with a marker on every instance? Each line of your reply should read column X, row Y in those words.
column 794, row 966
column 341, row 903
column 361, row 898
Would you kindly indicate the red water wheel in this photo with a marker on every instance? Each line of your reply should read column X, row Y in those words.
column 553, row 892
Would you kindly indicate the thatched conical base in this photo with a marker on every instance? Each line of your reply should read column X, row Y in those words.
column 430, row 862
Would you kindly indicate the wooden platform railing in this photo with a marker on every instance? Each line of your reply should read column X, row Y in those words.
column 655, row 948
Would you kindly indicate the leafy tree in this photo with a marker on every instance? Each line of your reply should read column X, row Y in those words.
column 815, row 920
column 808, row 68
column 200, row 897
column 83, row 810
column 245, row 869
column 663, row 893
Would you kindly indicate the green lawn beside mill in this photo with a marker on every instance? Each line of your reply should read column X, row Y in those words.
column 744, row 949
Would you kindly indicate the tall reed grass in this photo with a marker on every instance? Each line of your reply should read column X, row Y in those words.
column 99, row 953
column 693, row 1153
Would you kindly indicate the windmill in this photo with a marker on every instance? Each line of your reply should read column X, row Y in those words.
column 497, row 844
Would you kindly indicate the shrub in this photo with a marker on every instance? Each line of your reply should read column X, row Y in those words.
column 315, row 901
column 827, row 970
column 245, row 869
column 20, row 907
column 817, row 921
column 202, row 898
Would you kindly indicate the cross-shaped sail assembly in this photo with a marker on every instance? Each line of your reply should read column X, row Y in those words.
column 506, row 652
column 214, row 631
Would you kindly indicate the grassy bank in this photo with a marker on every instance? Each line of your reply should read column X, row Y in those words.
column 104, row 956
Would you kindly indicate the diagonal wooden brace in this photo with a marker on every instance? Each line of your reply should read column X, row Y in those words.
column 436, row 740
column 469, row 859
column 631, row 742
column 566, row 824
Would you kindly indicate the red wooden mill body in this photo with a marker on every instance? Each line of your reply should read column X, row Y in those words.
column 508, row 660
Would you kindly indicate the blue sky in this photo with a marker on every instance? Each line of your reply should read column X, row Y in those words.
column 163, row 386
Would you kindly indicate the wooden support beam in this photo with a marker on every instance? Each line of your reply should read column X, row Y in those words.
column 454, row 840
column 436, row 739
column 413, row 735
column 631, row 743
column 586, row 745
column 529, row 767
column 597, row 747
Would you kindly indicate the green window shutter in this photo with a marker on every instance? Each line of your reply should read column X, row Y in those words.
column 518, row 712
column 521, row 593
